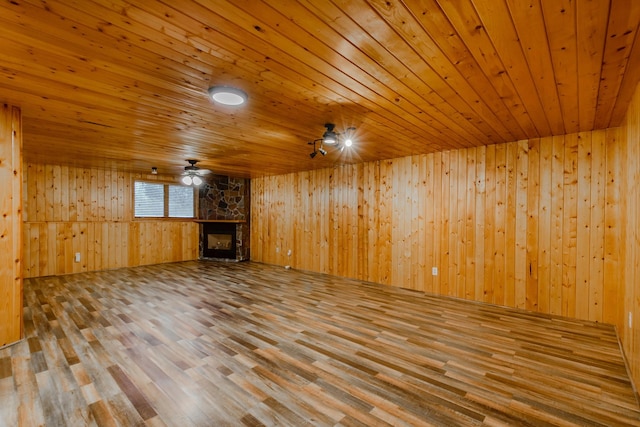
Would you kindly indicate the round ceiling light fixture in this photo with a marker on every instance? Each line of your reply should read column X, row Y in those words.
column 227, row 95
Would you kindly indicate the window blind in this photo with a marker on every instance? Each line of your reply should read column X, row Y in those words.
column 180, row 201
column 149, row 199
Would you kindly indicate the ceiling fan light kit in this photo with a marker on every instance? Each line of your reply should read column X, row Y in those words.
column 192, row 174
column 333, row 139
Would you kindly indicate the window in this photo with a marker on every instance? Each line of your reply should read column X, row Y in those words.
column 158, row 200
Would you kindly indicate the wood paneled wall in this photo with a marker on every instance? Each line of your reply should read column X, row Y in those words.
column 630, row 328
column 10, row 224
column 72, row 210
column 531, row 224
column 535, row 224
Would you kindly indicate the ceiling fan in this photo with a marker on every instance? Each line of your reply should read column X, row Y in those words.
column 332, row 138
column 192, row 174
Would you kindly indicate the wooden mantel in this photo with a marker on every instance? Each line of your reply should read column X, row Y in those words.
column 236, row 221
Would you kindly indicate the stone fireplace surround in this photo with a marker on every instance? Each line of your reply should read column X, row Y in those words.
column 224, row 200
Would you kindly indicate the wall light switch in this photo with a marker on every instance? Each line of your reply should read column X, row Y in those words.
column 77, row 257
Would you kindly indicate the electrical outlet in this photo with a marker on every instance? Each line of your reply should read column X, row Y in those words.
column 289, row 252
column 434, row 271
column 277, row 250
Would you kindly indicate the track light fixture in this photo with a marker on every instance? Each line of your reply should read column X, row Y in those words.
column 329, row 137
column 332, row 138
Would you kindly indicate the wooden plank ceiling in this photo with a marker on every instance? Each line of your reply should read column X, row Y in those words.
column 124, row 83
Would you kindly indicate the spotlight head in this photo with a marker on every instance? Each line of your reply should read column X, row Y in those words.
column 348, row 142
column 312, row 155
column 322, row 151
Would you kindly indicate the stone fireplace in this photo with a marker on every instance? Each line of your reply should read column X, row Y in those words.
column 223, row 212
column 219, row 240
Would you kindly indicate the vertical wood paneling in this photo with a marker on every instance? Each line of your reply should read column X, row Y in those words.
column 533, row 210
column 490, row 224
column 544, row 226
column 445, row 225
column 66, row 188
column 384, row 237
column 460, row 241
column 550, row 224
column 522, row 224
column 420, row 202
column 370, row 200
column 47, row 194
column 11, row 236
column 630, row 202
column 429, row 237
column 596, row 243
column 556, row 223
column 56, row 174
column 510, row 225
column 438, row 202
column 79, row 194
column 613, row 312
column 481, row 173
column 102, row 183
column 256, row 210
column 500, row 221
column 521, row 214
column 89, row 211
column 41, row 207
column 397, row 218
column 584, row 226
column 416, row 274
column 570, row 225
column 323, row 218
column 470, row 227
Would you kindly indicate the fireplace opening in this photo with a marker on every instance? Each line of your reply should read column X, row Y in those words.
column 219, row 240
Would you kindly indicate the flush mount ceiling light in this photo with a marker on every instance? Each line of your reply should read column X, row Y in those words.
column 332, row 138
column 227, row 95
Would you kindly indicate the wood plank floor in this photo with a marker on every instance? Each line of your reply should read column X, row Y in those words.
column 214, row 344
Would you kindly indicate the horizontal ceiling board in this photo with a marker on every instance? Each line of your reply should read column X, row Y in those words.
column 124, row 84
